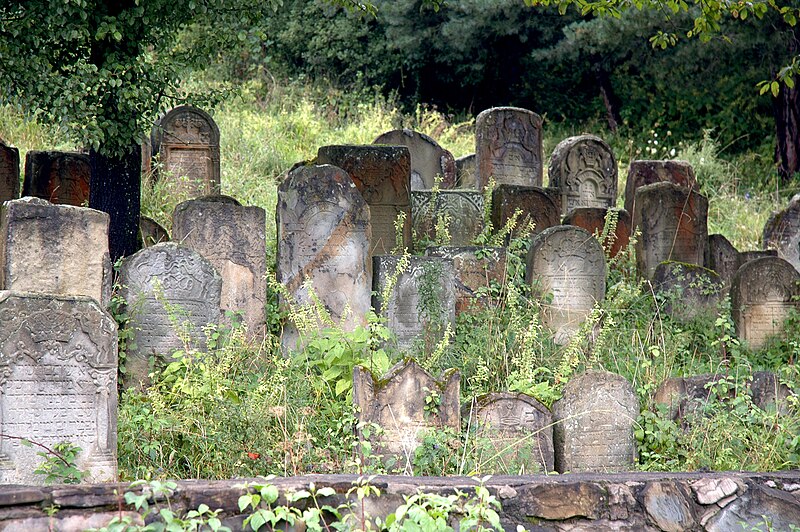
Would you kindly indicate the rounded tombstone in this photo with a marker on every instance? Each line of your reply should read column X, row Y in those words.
column 782, row 232
column 508, row 147
column 584, row 171
column 428, row 158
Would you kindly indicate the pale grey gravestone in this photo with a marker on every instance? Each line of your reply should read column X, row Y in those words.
column 594, row 423
column 593, row 219
column 463, row 210
column 688, row 291
column 534, row 203
column 324, row 234
column 383, row 176
column 396, row 402
column 172, row 293
column 508, row 147
column 54, row 249
column 186, row 140
column 58, row 382
column 478, row 272
column 646, row 172
column 584, row 170
column 722, row 257
column 9, row 172
column 58, row 177
column 232, row 238
column 466, row 172
column 421, row 303
column 566, row 267
column 782, row 232
column 428, row 158
column 673, row 221
column 151, row 232
column 762, row 294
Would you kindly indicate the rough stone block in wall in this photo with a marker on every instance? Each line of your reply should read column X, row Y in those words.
column 584, row 170
column 9, row 172
column 428, row 158
column 59, row 177
column 508, row 147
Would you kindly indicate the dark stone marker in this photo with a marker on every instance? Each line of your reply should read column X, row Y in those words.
column 747, row 256
column 59, row 177
column 466, row 172
column 478, row 271
column 9, row 172
column 782, row 232
column 462, row 208
column 688, row 290
column 428, row 159
column 593, row 219
column 722, row 257
column 641, row 173
column 534, row 203
column 584, row 170
column 151, row 232
column 508, row 147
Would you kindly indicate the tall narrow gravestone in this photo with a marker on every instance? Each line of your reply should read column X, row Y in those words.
column 383, row 176
column 641, row 173
column 782, row 232
column 186, row 140
column 584, row 170
column 722, row 257
column 54, row 249
column 428, row 159
column 567, row 269
column 466, row 172
column 480, row 272
column 594, row 423
column 397, row 402
column 674, row 226
column 762, row 294
column 593, row 219
column 460, row 212
column 533, row 203
column 323, row 227
column 58, row 382
column 58, row 177
column 508, row 147
column 232, row 238
column 9, row 172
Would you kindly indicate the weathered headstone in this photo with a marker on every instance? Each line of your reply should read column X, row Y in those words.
column 762, row 293
column 782, row 232
column 54, row 249
column 232, row 238
column 59, row 177
column 9, row 172
column 520, row 431
column 466, row 172
column 421, row 303
column 641, row 173
column 479, row 272
column 166, row 286
column 383, row 176
column 593, row 219
column 151, row 232
column 58, row 382
column 428, row 159
column 566, row 266
column 508, row 147
column 534, row 204
column 584, row 170
column 323, row 230
column 186, row 139
column 747, row 256
column 722, row 257
column 460, row 211
column 396, row 402
column 687, row 290
column 594, row 423
column 674, row 226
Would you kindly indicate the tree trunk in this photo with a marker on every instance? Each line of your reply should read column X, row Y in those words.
column 610, row 99
column 115, row 189
column 787, row 122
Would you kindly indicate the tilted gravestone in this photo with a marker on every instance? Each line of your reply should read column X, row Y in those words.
column 428, row 159
column 151, row 232
column 673, row 222
column 567, row 268
column 186, row 140
column 459, row 212
column 58, row 177
column 594, row 423
column 762, row 294
column 383, row 176
column 323, row 232
column 480, row 272
column 54, row 249
column 687, row 290
column 593, row 219
column 466, row 172
column 584, row 170
column 233, row 239
column 397, row 402
column 641, row 173
column 508, row 147
column 534, row 204
column 9, row 172
column 782, row 232
column 58, row 382
column 722, row 257
column 171, row 294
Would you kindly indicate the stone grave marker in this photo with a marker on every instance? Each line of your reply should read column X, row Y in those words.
column 466, row 172
column 508, row 147
column 566, row 266
column 584, row 170
column 9, row 172
column 762, row 293
column 594, row 423
column 383, row 176
column 233, row 239
column 688, row 290
column 151, row 232
column 534, row 203
column 461, row 211
column 722, row 257
column 782, row 232
column 58, row 382
column 674, row 226
column 641, row 173
column 162, row 284
column 478, row 271
column 186, row 139
column 428, row 158
column 323, row 231
column 59, row 177
column 747, row 256
column 593, row 219
column 396, row 402
column 54, row 249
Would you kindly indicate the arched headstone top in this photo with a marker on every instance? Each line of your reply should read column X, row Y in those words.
column 584, row 170
column 186, row 124
column 428, row 158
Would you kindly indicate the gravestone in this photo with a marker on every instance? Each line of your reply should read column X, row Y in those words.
column 762, row 293
column 232, row 238
column 593, row 424
column 641, row 173
column 747, row 256
column 466, row 172
column 9, row 172
column 480, row 272
column 186, row 140
column 722, row 257
column 58, row 382
column 584, row 171
column 593, row 219
column 421, row 303
column 782, row 232
column 383, row 176
column 323, row 233
column 151, row 232
column 567, row 268
column 674, row 226
column 461, row 211
column 688, row 290
column 162, row 284
column 534, row 203
column 428, row 159
column 519, row 429
column 508, row 147
column 396, row 402
column 59, row 177
column 54, row 249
